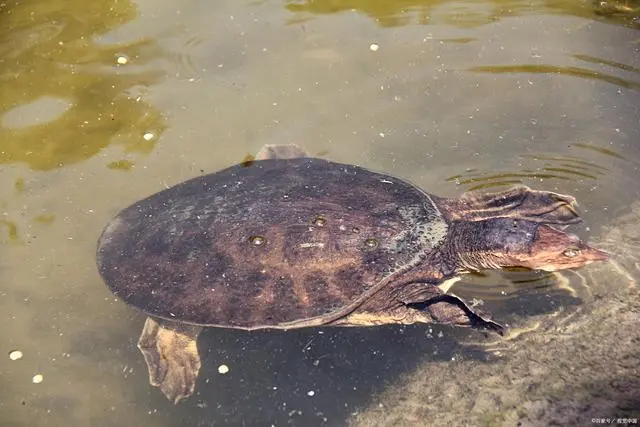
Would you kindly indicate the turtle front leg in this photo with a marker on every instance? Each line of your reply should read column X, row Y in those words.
column 520, row 202
column 448, row 308
column 442, row 307
column 417, row 302
column 171, row 353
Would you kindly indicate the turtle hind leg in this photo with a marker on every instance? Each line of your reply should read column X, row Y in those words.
column 171, row 353
column 284, row 151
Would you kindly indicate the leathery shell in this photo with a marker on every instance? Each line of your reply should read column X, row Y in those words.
column 266, row 244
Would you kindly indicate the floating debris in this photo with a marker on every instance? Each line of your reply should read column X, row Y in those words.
column 15, row 355
column 123, row 165
column 374, row 47
column 122, row 59
column 311, row 393
column 148, row 136
column 223, row 369
column 37, row 379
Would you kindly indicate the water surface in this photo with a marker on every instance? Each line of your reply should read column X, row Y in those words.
column 104, row 103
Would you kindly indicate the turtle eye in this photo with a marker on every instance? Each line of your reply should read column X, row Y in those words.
column 571, row 252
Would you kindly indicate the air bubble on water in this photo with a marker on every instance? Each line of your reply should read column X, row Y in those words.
column 122, row 59
column 15, row 355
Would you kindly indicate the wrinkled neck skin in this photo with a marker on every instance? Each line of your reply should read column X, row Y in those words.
column 466, row 250
column 450, row 207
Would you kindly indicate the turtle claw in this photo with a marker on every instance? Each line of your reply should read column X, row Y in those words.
column 480, row 321
column 444, row 308
column 450, row 309
column 172, row 357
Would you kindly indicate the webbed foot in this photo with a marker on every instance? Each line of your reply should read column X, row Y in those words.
column 520, row 202
column 452, row 310
column 172, row 357
column 444, row 308
column 284, row 151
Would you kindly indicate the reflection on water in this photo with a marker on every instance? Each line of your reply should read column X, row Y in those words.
column 64, row 98
column 625, row 12
column 459, row 95
column 9, row 231
column 550, row 69
column 519, row 295
column 602, row 61
column 461, row 14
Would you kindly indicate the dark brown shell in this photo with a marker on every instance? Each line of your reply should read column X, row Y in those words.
column 267, row 244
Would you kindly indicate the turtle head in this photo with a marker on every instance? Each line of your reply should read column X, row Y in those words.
column 504, row 242
column 552, row 250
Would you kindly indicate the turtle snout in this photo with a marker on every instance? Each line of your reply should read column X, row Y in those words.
column 554, row 250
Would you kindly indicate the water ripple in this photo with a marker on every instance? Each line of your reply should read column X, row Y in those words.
column 553, row 69
column 566, row 168
column 183, row 59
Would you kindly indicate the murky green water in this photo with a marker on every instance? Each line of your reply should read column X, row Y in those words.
column 103, row 103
